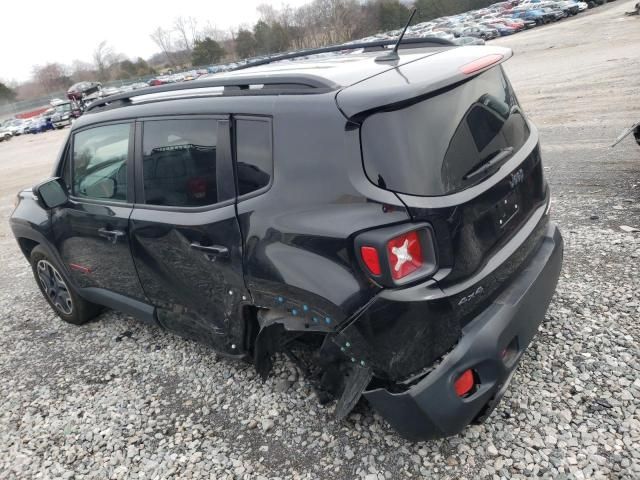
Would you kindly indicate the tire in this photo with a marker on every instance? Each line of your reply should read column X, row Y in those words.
column 59, row 292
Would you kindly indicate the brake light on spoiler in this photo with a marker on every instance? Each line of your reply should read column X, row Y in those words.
column 397, row 255
column 481, row 63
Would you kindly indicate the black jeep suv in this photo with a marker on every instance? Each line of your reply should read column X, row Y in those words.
column 384, row 220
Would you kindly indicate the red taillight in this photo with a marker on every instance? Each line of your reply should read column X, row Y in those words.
column 464, row 384
column 405, row 254
column 480, row 63
column 371, row 259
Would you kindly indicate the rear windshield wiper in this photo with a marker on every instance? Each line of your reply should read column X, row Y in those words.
column 486, row 165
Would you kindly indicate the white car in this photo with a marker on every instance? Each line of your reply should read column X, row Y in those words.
column 5, row 134
column 582, row 5
column 15, row 127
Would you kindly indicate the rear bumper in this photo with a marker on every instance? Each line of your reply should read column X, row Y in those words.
column 431, row 409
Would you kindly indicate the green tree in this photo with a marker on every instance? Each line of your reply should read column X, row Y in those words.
column 262, row 36
column 206, row 52
column 142, row 67
column 391, row 14
column 127, row 69
column 7, row 94
column 245, row 44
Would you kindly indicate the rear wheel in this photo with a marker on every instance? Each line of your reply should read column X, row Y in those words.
column 59, row 293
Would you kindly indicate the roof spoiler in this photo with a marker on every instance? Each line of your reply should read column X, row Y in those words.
column 415, row 81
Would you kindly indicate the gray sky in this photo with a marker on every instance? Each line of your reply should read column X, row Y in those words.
column 37, row 32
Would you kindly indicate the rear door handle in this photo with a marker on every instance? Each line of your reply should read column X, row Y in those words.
column 213, row 250
column 111, row 235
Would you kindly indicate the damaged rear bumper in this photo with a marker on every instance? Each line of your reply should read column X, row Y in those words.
column 491, row 345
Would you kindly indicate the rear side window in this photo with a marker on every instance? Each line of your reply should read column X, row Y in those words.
column 254, row 158
column 99, row 167
column 431, row 147
column 179, row 162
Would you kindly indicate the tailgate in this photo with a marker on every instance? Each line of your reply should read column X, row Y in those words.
column 447, row 135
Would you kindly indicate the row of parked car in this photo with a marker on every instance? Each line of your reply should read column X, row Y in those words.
column 59, row 115
column 469, row 28
column 497, row 20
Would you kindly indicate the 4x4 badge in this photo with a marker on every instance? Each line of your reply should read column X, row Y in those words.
column 478, row 291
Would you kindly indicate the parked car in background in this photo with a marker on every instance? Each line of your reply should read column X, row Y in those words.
column 554, row 14
column 537, row 16
column 106, row 91
column 502, row 29
column 5, row 134
column 81, row 90
column 468, row 41
column 15, row 127
column 40, row 124
column 65, row 114
column 158, row 81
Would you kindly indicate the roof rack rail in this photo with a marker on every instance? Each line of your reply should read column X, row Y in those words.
column 406, row 43
column 289, row 82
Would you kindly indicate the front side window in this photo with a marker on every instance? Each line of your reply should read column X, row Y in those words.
column 179, row 162
column 100, row 162
column 254, row 159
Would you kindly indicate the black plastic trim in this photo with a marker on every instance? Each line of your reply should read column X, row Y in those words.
column 431, row 409
column 121, row 303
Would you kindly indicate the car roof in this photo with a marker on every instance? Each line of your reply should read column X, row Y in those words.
column 323, row 73
column 340, row 70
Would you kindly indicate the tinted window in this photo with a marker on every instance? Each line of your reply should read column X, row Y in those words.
column 100, row 162
column 429, row 148
column 179, row 162
column 253, row 154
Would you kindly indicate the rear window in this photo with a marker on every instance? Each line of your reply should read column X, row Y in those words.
column 430, row 147
column 179, row 162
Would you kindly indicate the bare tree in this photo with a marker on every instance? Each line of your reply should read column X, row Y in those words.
column 268, row 13
column 212, row 31
column 82, row 71
column 187, row 30
column 162, row 38
column 102, row 59
column 52, row 77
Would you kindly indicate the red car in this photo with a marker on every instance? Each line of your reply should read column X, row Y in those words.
column 513, row 23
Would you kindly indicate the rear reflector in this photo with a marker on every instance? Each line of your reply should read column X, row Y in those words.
column 405, row 254
column 464, row 384
column 481, row 63
column 371, row 259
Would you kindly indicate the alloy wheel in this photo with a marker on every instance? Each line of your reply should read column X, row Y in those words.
column 54, row 286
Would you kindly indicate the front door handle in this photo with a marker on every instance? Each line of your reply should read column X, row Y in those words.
column 213, row 250
column 111, row 235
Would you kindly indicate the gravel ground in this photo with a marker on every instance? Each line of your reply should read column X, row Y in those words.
column 119, row 399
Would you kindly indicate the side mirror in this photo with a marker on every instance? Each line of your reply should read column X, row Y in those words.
column 50, row 193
